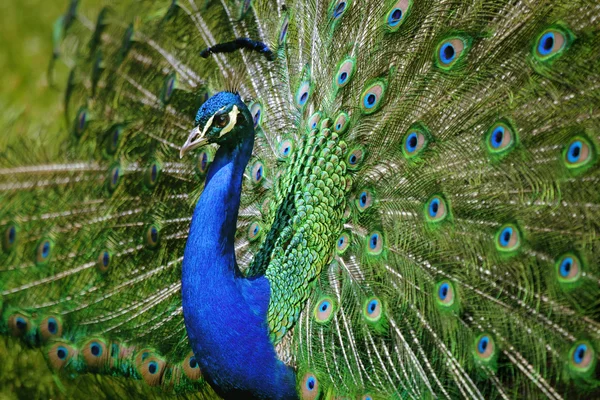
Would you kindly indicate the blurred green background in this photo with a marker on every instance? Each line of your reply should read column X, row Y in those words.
column 28, row 104
column 29, row 108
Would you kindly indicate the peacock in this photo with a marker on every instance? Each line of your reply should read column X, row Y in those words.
column 334, row 199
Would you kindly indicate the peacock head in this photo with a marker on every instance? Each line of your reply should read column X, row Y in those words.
column 223, row 119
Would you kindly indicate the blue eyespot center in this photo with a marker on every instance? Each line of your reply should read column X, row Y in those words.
column 303, row 97
column 61, row 353
column 372, row 306
column 411, row 142
column 363, row 199
column 105, row 258
column 546, row 44
column 434, row 207
column 152, row 367
column 259, row 173
column 343, row 77
column 154, row 172
column 95, row 349
column 115, row 176
column 483, row 344
column 370, row 100
column 395, row 17
column 283, row 31
column 505, row 236
column 21, row 324
column 154, row 234
column 341, row 242
column 447, row 53
column 339, row 9
column 353, row 159
column 45, row 249
column 52, row 326
column 497, row 137
column 12, row 234
column 324, row 306
column 256, row 117
column 374, row 240
column 443, row 291
column 565, row 267
column 579, row 353
column 193, row 363
column 574, row 151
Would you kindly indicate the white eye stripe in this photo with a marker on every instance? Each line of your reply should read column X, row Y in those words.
column 232, row 121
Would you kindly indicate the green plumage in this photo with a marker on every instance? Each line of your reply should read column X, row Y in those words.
column 423, row 194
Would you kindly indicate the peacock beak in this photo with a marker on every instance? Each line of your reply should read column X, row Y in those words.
column 194, row 140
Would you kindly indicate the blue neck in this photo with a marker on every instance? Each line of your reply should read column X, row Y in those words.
column 226, row 314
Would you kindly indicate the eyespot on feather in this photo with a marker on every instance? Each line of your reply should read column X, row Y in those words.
column 309, row 387
column 285, row 148
column 345, row 72
column 205, row 157
column 508, row 238
column 415, row 141
column 152, row 236
column 113, row 138
column 341, row 123
column 396, row 16
column 355, row 158
column 582, row 357
column 257, row 172
column 256, row 110
column 445, row 294
column 342, row 243
column 323, row 311
column 552, row 43
column 19, row 324
column 436, row 209
column 484, row 348
column 169, row 85
column 59, row 354
column 10, row 237
column 569, row 269
column 313, row 121
column 95, row 354
column 50, row 328
column 372, row 97
column 364, row 200
column 114, row 177
column 152, row 174
column 254, row 231
column 374, row 243
column 579, row 154
column 191, row 368
column 43, row 252
column 450, row 51
column 81, row 122
column 338, row 8
column 302, row 94
column 103, row 261
column 372, row 309
column 283, row 31
column 151, row 368
column 500, row 138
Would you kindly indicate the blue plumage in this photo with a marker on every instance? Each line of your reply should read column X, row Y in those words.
column 224, row 312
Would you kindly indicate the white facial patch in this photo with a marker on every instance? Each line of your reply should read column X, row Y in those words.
column 232, row 121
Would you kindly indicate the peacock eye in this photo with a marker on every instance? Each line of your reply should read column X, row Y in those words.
column 221, row 120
